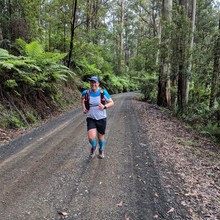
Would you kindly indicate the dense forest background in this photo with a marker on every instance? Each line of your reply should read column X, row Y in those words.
column 168, row 49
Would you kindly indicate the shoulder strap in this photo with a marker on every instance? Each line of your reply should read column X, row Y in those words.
column 102, row 98
column 86, row 102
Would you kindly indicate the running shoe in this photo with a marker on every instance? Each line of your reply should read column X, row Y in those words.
column 92, row 152
column 101, row 154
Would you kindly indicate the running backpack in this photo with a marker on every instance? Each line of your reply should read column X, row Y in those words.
column 86, row 100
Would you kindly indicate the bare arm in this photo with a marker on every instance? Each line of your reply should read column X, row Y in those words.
column 83, row 105
column 109, row 104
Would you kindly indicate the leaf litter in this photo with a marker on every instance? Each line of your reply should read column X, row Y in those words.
column 188, row 163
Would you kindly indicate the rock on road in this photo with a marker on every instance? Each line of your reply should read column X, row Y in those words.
column 47, row 174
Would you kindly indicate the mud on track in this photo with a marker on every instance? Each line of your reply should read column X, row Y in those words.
column 48, row 170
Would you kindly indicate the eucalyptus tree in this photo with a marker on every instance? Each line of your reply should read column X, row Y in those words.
column 182, row 44
column 143, row 28
column 121, row 4
column 3, row 18
column 191, row 47
column 1, row 36
column 90, row 28
column 56, row 24
column 12, row 19
column 183, row 30
column 164, row 98
column 203, row 56
column 116, row 27
column 73, row 23
column 216, row 69
column 94, row 16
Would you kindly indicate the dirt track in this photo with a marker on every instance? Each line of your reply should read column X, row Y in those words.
column 48, row 171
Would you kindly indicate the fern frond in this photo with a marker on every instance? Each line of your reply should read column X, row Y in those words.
column 34, row 50
column 61, row 69
column 27, row 79
column 11, row 83
column 9, row 66
column 58, row 76
column 21, row 44
column 4, row 55
column 6, row 65
column 53, row 56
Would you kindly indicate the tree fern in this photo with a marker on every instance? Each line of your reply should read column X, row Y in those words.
column 11, row 83
column 6, row 65
column 4, row 55
column 36, row 70
column 21, row 45
column 34, row 50
column 28, row 79
column 53, row 56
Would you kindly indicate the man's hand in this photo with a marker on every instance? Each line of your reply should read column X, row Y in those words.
column 101, row 106
column 85, row 110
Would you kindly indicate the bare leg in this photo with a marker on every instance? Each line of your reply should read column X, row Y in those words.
column 101, row 138
column 92, row 134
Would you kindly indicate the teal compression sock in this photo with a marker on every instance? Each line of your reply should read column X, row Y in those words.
column 93, row 142
column 102, row 145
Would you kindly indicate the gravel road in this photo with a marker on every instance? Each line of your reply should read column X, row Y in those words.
column 47, row 174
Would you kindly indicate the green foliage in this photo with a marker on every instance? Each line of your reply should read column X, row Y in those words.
column 87, row 69
column 115, row 85
column 39, row 70
column 11, row 83
column 35, row 51
column 10, row 119
column 137, row 63
column 91, row 59
column 3, row 119
column 32, row 117
column 211, row 129
column 86, row 85
column 148, row 87
column 202, row 119
column 16, row 121
column 96, row 48
column 35, row 71
column 21, row 45
column 4, row 54
column 199, row 94
column 149, row 49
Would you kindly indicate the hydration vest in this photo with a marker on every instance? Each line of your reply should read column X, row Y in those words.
column 86, row 100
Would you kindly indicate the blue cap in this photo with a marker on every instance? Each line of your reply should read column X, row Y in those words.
column 94, row 78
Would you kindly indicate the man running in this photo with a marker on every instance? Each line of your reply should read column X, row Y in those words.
column 93, row 105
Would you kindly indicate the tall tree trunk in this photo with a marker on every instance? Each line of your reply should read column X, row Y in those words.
column 88, row 15
column 10, row 18
column 163, row 97
column 95, row 19
column 156, row 29
column 191, row 47
column 154, row 16
column 72, row 31
column 1, row 35
column 126, row 57
column 216, row 70
column 183, row 75
column 49, row 36
column 64, row 37
column 122, row 5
